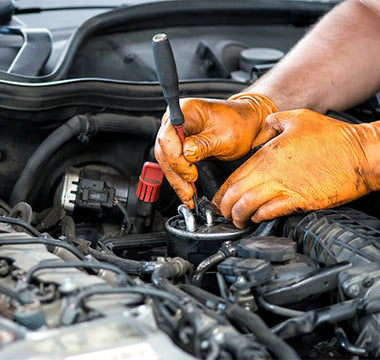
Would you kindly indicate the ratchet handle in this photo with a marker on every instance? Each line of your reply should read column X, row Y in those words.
column 167, row 76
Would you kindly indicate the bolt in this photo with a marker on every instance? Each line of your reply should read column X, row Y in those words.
column 367, row 282
column 186, row 334
column 204, row 345
column 67, row 286
column 353, row 290
column 209, row 65
column 129, row 58
column 219, row 338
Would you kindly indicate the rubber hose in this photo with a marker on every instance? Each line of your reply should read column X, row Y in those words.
column 249, row 319
column 127, row 265
column 263, row 334
column 206, row 264
column 47, row 148
column 74, row 127
column 161, row 276
column 12, row 327
column 18, row 222
column 210, row 178
column 136, row 240
column 266, row 227
column 14, row 295
column 206, row 298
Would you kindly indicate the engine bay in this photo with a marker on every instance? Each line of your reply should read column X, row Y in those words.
column 99, row 258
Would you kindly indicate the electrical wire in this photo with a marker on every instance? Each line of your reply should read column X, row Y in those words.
column 124, row 278
column 44, row 241
column 121, row 290
column 278, row 310
column 247, row 319
column 14, row 295
column 126, row 218
column 25, row 225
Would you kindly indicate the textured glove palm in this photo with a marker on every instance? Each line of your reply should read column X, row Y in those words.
column 224, row 129
column 312, row 162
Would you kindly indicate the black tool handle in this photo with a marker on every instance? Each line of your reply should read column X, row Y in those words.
column 167, row 76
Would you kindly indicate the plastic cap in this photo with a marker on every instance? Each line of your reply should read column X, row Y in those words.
column 150, row 182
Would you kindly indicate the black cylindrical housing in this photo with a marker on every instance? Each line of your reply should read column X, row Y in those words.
column 205, row 241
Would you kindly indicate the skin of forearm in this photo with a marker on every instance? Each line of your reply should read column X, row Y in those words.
column 335, row 66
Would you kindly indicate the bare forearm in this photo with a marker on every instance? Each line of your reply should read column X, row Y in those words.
column 335, row 66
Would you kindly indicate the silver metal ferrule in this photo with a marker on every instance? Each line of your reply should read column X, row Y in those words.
column 209, row 213
column 188, row 216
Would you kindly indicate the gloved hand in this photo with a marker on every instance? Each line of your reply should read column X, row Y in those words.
column 314, row 162
column 224, row 129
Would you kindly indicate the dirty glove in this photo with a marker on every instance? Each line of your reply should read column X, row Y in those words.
column 314, row 162
column 224, row 129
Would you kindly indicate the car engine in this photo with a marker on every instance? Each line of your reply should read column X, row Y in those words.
column 98, row 257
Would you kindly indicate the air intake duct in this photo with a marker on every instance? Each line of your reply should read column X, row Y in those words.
column 336, row 235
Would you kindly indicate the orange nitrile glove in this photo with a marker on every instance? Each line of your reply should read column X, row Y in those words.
column 224, row 129
column 314, row 162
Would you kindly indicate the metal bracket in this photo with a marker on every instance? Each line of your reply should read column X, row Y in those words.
column 34, row 52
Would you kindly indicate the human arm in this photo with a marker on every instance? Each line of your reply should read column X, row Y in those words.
column 312, row 162
column 334, row 67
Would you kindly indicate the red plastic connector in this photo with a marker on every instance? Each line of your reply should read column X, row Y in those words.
column 150, row 182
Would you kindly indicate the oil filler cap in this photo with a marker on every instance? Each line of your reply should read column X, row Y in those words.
column 270, row 248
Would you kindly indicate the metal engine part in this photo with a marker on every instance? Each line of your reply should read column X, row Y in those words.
column 131, row 334
column 269, row 265
column 128, row 325
column 95, row 192
column 194, row 237
column 332, row 236
column 338, row 235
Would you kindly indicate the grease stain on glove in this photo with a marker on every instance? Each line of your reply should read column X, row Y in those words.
column 313, row 162
column 224, row 129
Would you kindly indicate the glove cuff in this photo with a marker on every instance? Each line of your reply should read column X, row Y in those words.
column 261, row 104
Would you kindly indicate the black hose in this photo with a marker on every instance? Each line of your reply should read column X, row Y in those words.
column 278, row 310
column 14, row 295
column 247, row 318
column 129, row 266
column 206, row 264
column 208, row 299
column 123, row 277
column 12, row 327
column 263, row 334
column 25, row 225
column 80, row 124
column 266, row 227
column 131, row 241
column 227, row 249
column 44, row 241
column 122, row 290
column 170, row 270
column 332, row 314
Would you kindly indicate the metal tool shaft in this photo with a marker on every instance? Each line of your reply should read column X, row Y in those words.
column 167, row 76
